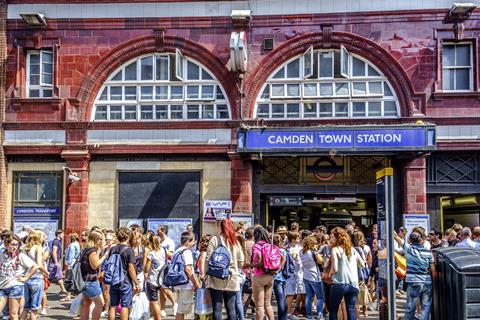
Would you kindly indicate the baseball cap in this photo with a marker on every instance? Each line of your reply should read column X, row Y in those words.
column 282, row 229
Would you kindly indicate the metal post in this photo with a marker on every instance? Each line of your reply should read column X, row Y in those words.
column 385, row 197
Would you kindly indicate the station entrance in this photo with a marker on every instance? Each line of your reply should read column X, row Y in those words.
column 313, row 210
column 320, row 190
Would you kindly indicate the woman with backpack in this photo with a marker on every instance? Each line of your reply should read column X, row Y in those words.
column 224, row 260
column 153, row 268
column 34, row 286
column 262, row 281
column 16, row 269
column 343, row 270
column 90, row 262
column 312, row 275
column 136, row 244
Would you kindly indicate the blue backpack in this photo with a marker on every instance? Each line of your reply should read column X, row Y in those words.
column 113, row 269
column 175, row 271
column 288, row 269
column 219, row 264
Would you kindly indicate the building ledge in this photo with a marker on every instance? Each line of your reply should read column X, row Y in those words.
column 439, row 96
column 20, row 103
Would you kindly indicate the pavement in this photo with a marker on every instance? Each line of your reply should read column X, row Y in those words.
column 57, row 310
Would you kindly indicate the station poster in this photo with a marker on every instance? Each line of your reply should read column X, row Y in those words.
column 48, row 226
column 243, row 217
column 130, row 222
column 216, row 210
column 411, row 221
column 176, row 226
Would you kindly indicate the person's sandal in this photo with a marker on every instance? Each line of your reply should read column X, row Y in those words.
column 66, row 299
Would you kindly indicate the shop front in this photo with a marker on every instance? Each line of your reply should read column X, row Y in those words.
column 326, row 175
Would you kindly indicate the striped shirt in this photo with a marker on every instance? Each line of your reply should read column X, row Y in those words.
column 418, row 263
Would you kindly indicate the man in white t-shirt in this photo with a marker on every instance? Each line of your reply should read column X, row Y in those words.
column 169, row 246
column 185, row 292
column 167, row 242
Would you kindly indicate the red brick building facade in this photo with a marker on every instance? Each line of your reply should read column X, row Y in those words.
column 59, row 121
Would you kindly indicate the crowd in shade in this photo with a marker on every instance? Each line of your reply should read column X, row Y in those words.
column 130, row 273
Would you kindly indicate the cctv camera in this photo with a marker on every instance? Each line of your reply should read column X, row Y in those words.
column 74, row 178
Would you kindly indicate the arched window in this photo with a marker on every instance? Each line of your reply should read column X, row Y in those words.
column 160, row 87
column 327, row 84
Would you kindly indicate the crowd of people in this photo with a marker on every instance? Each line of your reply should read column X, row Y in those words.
column 338, row 273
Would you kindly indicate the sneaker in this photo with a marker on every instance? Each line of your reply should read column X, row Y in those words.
column 320, row 317
column 43, row 312
column 104, row 314
column 297, row 313
column 163, row 313
column 175, row 307
column 291, row 317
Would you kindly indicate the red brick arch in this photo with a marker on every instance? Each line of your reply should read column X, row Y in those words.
column 115, row 58
column 411, row 102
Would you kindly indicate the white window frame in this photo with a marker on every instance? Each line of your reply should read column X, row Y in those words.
column 41, row 86
column 470, row 67
column 308, row 55
column 344, row 61
column 205, row 81
column 179, row 65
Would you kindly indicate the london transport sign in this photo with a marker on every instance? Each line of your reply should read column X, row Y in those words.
column 360, row 138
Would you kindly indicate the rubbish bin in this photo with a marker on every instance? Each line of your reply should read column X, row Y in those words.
column 442, row 300
column 465, row 279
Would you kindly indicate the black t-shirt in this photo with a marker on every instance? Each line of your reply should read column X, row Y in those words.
column 127, row 257
column 88, row 273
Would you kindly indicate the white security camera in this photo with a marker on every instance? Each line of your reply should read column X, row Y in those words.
column 74, row 178
column 462, row 8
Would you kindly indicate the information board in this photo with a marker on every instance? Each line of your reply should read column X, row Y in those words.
column 175, row 227
column 411, row 221
column 48, row 226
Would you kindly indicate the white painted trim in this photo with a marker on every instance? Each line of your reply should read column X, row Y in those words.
column 34, row 137
column 219, row 8
column 159, row 136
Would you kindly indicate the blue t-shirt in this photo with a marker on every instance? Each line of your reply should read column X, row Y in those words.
column 418, row 263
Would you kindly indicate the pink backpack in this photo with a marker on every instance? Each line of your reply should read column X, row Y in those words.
column 272, row 258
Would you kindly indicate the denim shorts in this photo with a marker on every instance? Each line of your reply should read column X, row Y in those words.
column 92, row 289
column 15, row 292
column 121, row 295
column 33, row 294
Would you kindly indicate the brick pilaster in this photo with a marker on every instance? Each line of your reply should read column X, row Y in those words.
column 3, row 73
column 415, row 186
column 241, row 187
column 76, row 198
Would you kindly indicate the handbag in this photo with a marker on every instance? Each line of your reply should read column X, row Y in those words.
column 326, row 276
column 401, row 269
column 46, row 283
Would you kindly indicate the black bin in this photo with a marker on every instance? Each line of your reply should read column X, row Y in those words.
column 456, row 284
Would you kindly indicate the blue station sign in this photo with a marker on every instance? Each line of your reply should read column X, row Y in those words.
column 373, row 138
column 37, row 211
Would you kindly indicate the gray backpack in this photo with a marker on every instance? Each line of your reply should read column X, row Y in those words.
column 74, row 280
